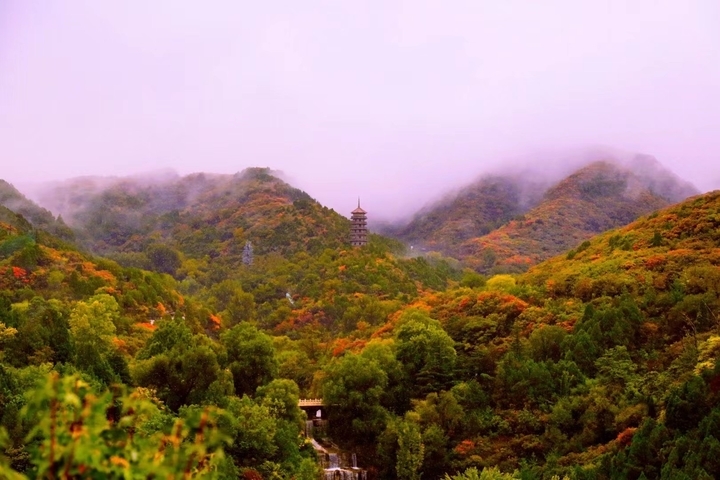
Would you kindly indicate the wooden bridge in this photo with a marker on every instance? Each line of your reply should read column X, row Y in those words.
column 311, row 402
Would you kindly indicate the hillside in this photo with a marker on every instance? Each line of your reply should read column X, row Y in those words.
column 42, row 279
column 197, row 340
column 148, row 223
column 12, row 199
column 249, row 246
column 505, row 223
column 594, row 199
column 601, row 363
column 676, row 248
column 475, row 210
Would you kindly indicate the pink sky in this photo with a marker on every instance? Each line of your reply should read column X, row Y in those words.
column 392, row 100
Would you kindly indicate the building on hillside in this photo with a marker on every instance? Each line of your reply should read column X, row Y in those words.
column 358, row 227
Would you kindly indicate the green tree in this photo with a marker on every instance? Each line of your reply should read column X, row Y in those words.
column 426, row 352
column 354, row 387
column 185, row 375
column 488, row 473
column 410, row 450
column 43, row 333
column 235, row 305
column 92, row 324
column 687, row 405
column 163, row 258
column 169, row 335
column 250, row 356
column 282, row 396
column 396, row 397
column 252, row 428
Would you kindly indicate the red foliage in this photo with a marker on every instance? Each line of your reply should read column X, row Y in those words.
column 625, row 437
column 215, row 322
column 344, row 344
column 655, row 261
column 465, row 447
column 19, row 273
column 251, row 474
column 341, row 345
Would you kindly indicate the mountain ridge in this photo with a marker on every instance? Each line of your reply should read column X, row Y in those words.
column 606, row 194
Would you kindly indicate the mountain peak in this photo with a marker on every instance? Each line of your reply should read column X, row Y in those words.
column 507, row 222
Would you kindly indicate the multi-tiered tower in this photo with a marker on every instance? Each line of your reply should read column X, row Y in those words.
column 358, row 227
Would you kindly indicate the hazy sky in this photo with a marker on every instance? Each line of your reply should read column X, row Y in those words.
column 391, row 100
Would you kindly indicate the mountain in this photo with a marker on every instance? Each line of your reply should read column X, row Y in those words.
column 475, row 210
column 199, row 215
column 598, row 197
column 507, row 223
column 675, row 248
column 603, row 362
column 12, row 199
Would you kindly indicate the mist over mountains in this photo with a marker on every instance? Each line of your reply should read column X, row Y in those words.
column 505, row 221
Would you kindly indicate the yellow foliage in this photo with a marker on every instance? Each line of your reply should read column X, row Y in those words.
column 501, row 282
column 708, row 352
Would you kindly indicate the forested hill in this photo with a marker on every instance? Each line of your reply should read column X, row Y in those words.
column 505, row 223
column 598, row 197
column 149, row 223
column 39, row 217
column 602, row 363
column 43, row 279
column 74, row 326
column 475, row 210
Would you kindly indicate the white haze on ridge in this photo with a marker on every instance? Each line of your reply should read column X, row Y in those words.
column 395, row 101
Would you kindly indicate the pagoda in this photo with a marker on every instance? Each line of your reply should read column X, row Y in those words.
column 358, row 227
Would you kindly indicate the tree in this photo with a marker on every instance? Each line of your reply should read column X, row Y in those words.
column 410, row 450
column 488, row 473
column 185, row 375
column 354, row 387
column 281, row 396
column 232, row 302
column 164, row 259
column 687, row 405
column 169, row 334
column 253, row 429
column 43, row 333
column 92, row 324
column 545, row 343
column 250, row 357
column 396, row 397
column 426, row 352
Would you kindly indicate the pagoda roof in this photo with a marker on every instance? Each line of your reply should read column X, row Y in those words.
column 358, row 209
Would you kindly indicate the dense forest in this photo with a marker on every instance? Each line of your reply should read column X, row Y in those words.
column 170, row 329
